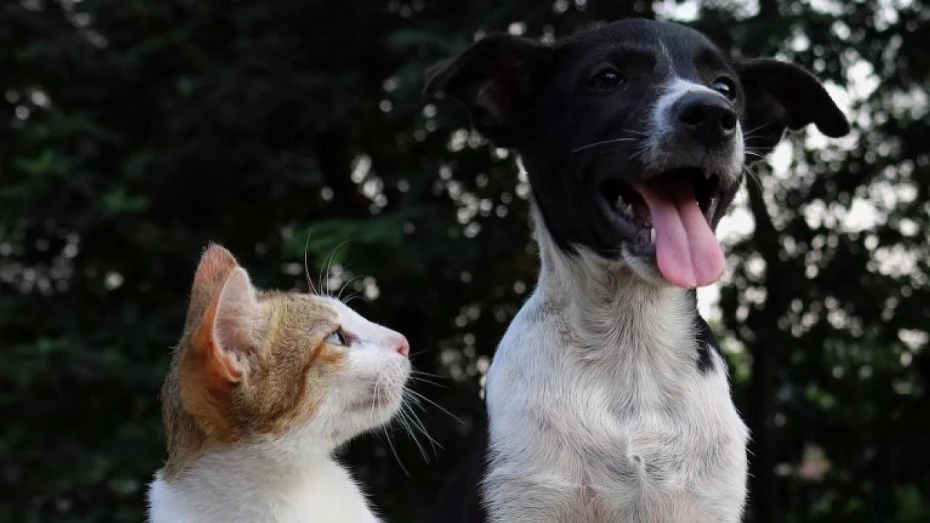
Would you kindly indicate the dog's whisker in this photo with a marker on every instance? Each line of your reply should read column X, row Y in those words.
column 603, row 142
column 639, row 152
column 759, row 127
column 753, row 176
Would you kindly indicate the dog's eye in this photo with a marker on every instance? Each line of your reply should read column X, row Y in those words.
column 607, row 78
column 338, row 338
column 724, row 86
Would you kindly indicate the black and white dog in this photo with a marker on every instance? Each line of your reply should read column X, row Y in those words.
column 607, row 399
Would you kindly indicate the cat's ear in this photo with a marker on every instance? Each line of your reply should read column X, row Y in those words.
column 214, row 268
column 224, row 335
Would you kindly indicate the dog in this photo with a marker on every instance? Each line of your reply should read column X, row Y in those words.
column 608, row 400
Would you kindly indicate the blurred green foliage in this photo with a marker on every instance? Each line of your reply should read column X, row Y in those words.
column 132, row 132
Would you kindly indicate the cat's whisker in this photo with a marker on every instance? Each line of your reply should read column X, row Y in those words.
column 419, row 424
column 416, row 423
column 429, row 382
column 387, row 435
column 414, row 420
column 328, row 268
column 433, row 403
column 417, row 353
column 307, row 267
column 346, row 284
column 386, row 428
column 349, row 298
column 376, row 396
column 424, row 373
column 405, row 423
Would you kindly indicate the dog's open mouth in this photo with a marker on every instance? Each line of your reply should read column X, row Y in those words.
column 672, row 213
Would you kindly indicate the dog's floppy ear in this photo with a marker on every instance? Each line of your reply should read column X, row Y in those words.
column 780, row 95
column 496, row 79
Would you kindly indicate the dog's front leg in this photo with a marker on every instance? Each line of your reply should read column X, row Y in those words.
column 517, row 494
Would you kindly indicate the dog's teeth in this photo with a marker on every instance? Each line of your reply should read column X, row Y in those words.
column 652, row 235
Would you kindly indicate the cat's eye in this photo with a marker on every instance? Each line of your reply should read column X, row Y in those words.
column 605, row 79
column 725, row 86
column 338, row 338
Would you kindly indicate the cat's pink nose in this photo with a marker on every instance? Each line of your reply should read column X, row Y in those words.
column 402, row 347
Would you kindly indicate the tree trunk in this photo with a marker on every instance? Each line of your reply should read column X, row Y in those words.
column 763, row 488
column 764, row 346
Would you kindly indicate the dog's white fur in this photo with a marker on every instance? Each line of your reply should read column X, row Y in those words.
column 598, row 411
column 293, row 478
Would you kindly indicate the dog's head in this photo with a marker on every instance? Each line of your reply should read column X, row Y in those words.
column 634, row 135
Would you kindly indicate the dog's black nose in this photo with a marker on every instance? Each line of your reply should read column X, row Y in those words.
column 708, row 116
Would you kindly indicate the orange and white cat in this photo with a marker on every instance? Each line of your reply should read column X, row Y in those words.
column 262, row 388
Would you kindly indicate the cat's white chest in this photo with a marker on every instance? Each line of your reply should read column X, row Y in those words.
column 573, row 444
column 325, row 494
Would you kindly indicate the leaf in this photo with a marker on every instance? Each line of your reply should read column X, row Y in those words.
column 118, row 201
column 46, row 163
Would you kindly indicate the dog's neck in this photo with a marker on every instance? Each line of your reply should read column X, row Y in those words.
column 609, row 302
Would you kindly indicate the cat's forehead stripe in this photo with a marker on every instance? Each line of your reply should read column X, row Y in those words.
column 320, row 304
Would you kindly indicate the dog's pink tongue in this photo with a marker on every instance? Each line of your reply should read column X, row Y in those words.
column 687, row 251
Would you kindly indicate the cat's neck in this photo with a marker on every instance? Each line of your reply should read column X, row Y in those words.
column 241, row 484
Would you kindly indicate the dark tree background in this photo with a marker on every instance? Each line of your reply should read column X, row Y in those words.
column 132, row 132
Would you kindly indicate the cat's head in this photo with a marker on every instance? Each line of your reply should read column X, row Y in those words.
column 279, row 369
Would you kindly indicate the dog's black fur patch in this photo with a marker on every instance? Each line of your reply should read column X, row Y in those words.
column 705, row 339
column 707, row 342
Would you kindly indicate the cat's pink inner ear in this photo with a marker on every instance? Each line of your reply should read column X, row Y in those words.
column 225, row 330
column 214, row 269
column 236, row 312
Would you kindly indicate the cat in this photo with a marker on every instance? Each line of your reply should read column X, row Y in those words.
column 262, row 388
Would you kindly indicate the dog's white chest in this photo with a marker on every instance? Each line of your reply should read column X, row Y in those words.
column 581, row 433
